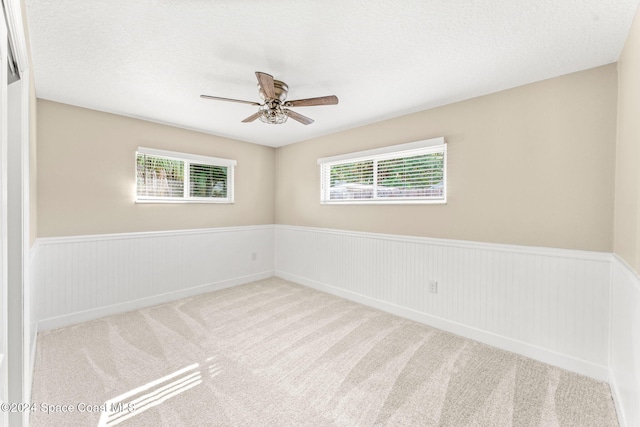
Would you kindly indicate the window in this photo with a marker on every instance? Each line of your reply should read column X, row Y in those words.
column 167, row 176
column 404, row 173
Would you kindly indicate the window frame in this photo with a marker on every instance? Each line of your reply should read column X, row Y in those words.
column 188, row 159
column 427, row 146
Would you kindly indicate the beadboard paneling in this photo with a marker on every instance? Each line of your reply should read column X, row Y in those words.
column 624, row 343
column 86, row 277
column 550, row 304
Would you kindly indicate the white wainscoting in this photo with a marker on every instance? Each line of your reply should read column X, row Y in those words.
column 548, row 304
column 86, row 277
column 624, row 343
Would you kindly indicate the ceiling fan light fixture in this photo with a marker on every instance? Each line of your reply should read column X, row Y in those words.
column 272, row 114
column 275, row 109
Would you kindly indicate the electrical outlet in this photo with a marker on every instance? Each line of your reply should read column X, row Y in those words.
column 254, row 256
column 433, row 286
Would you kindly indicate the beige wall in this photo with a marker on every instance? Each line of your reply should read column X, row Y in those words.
column 86, row 175
column 627, row 203
column 532, row 165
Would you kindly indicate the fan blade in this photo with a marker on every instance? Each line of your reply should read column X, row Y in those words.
column 309, row 102
column 217, row 98
column 266, row 84
column 298, row 117
column 251, row 117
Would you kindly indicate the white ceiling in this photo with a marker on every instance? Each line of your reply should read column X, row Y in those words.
column 383, row 58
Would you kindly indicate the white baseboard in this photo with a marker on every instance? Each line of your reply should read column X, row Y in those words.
column 600, row 373
column 87, row 315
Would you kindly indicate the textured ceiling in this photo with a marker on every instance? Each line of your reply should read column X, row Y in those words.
column 152, row 59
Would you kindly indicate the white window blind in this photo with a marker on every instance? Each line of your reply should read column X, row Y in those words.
column 405, row 173
column 168, row 176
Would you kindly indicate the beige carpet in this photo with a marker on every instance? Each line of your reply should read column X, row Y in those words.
column 276, row 353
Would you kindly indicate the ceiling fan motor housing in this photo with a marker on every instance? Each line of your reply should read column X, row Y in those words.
column 280, row 88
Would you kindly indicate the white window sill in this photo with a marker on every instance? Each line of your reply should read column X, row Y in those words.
column 384, row 202
column 185, row 201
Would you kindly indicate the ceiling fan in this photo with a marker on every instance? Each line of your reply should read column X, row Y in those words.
column 275, row 108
